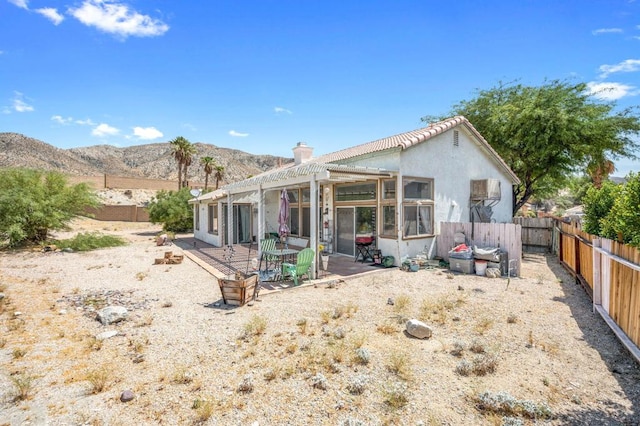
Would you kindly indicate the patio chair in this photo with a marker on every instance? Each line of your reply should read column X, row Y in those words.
column 268, row 244
column 303, row 263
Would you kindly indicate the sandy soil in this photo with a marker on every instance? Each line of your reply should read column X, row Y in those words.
column 325, row 354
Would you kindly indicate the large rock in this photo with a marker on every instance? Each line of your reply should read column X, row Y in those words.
column 112, row 314
column 418, row 329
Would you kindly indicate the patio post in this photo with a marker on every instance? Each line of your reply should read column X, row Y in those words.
column 313, row 243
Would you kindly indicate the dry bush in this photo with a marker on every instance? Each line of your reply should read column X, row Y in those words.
column 483, row 325
column 144, row 321
column 402, row 303
column 387, row 327
column 19, row 353
column 398, row 363
column 23, row 385
column 302, row 324
column 477, row 347
column 512, row 319
column 395, row 395
column 181, row 376
column 485, row 364
column 458, row 348
column 204, row 409
column 256, row 326
column 99, row 379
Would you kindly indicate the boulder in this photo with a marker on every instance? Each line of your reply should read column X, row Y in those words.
column 112, row 314
column 418, row 329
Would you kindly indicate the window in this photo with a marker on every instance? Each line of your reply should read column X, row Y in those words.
column 357, row 192
column 213, row 218
column 306, row 222
column 388, row 206
column 294, row 220
column 417, row 207
column 197, row 217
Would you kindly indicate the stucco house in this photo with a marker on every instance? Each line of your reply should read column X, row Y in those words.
column 397, row 190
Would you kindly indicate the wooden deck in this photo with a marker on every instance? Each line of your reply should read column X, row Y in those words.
column 221, row 262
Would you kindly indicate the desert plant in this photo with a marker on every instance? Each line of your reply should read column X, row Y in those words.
column 255, row 326
column 302, row 324
column 86, row 241
column 319, row 381
column 464, row 368
column 362, row 356
column 204, row 409
column 182, row 375
column 19, row 353
column 402, row 303
column 477, row 347
column 23, row 385
column 395, row 395
column 387, row 327
column 485, row 364
column 99, row 379
column 172, row 210
column 512, row 319
column 483, row 325
column 34, row 202
column 357, row 385
column 505, row 404
column 398, row 364
column 246, row 386
column 458, row 348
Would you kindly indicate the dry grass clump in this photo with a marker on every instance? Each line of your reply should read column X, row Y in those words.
column 23, row 385
column 398, row 363
column 99, row 379
column 388, row 327
column 480, row 366
column 438, row 310
column 182, row 376
column 483, row 325
column 402, row 303
column 204, row 409
column 256, row 326
column 19, row 353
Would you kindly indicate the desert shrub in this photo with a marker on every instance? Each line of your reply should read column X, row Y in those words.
column 99, row 379
column 172, row 210
column 505, row 404
column 464, row 368
column 33, row 202
column 396, row 395
column 357, row 385
column 23, row 384
column 256, row 326
column 362, row 356
column 319, row 381
column 85, row 241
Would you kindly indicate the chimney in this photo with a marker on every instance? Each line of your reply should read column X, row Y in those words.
column 302, row 153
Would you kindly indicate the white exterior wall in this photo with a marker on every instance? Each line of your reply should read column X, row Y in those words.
column 452, row 169
column 202, row 233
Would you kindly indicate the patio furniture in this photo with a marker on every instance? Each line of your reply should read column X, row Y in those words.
column 301, row 267
column 279, row 257
column 363, row 248
column 268, row 244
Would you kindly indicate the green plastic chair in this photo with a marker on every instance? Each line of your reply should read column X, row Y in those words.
column 303, row 263
column 268, row 244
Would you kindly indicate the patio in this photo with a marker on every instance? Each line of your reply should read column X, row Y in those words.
column 214, row 260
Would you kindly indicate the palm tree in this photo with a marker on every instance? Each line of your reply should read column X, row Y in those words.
column 599, row 170
column 219, row 174
column 178, row 146
column 208, row 163
column 189, row 151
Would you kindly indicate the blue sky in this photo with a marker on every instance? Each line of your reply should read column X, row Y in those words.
column 260, row 76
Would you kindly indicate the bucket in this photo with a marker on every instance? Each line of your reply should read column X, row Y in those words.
column 481, row 267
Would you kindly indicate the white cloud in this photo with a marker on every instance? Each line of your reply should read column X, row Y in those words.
column 104, row 130
column 147, row 133
column 189, row 126
column 606, row 31
column 87, row 122
column 51, row 14
column 116, row 18
column 19, row 105
column 629, row 65
column 280, row 110
column 610, row 91
column 238, row 134
column 24, row 4
column 61, row 120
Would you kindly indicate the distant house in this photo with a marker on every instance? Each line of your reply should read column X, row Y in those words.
column 396, row 189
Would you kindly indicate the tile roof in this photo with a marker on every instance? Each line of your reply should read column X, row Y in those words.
column 412, row 138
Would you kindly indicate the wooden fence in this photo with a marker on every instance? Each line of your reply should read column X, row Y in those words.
column 537, row 233
column 610, row 272
column 506, row 236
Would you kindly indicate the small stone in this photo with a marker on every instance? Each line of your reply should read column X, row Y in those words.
column 418, row 329
column 62, row 311
column 390, row 301
column 1, row 296
column 106, row 335
column 67, row 250
column 17, row 313
column 138, row 359
column 126, row 396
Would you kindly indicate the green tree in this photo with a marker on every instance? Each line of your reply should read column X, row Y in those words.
column 209, row 164
column 623, row 220
column 547, row 132
column 219, row 174
column 32, row 203
column 183, row 151
column 597, row 205
column 172, row 210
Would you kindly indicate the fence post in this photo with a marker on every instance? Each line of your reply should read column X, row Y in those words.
column 597, row 284
column 576, row 250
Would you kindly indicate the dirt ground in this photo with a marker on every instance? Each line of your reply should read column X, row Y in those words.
column 525, row 350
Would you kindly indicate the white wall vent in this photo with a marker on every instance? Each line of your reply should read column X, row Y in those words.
column 456, row 138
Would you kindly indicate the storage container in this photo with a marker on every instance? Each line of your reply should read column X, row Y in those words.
column 461, row 265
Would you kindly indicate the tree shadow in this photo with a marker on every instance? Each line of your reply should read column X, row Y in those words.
column 600, row 337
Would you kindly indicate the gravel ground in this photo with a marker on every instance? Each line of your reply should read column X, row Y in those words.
column 329, row 354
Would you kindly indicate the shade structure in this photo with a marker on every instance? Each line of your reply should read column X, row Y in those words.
column 283, row 214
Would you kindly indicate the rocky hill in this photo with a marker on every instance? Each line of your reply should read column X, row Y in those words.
column 152, row 161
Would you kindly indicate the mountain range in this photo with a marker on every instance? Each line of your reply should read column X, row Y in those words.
column 151, row 161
